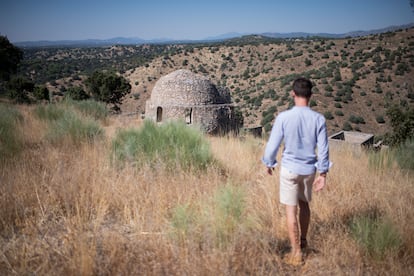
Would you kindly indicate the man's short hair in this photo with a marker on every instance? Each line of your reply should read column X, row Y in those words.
column 302, row 87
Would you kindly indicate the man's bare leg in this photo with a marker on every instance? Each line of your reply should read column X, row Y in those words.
column 304, row 218
column 293, row 231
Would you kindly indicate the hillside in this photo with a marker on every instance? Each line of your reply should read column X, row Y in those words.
column 356, row 78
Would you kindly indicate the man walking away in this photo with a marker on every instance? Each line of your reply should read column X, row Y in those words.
column 303, row 131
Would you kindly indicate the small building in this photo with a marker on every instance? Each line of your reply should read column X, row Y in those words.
column 255, row 131
column 353, row 138
column 194, row 99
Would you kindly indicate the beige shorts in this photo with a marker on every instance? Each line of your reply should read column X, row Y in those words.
column 294, row 187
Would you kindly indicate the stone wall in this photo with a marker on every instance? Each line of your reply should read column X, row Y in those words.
column 212, row 119
column 194, row 99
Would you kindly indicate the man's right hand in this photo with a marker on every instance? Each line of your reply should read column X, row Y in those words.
column 319, row 183
column 270, row 170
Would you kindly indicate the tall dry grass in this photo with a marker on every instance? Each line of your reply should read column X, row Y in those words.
column 66, row 210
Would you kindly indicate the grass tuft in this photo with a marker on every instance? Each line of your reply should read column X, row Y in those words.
column 10, row 136
column 404, row 155
column 65, row 124
column 50, row 112
column 172, row 145
column 90, row 108
column 215, row 223
column 229, row 208
column 182, row 220
column 400, row 155
column 377, row 235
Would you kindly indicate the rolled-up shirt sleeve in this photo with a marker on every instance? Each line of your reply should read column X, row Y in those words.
column 273, row 144
column 323, row 149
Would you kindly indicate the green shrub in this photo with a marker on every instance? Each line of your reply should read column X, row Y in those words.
column 76, row 93
column 267, row 119
column 76, row 129
column 328, row 115
column 380, row 160
column 10, row 136
column 182, row 221
column 404, row 153
column 91, row 108
column 171, row 145
column 339, row 113
column 229, row 208
column 380, row 119
column 347, row 126
column 356, row 119
column 216, row 222
column 65, row 123
column 377, row 235
column 50, row 112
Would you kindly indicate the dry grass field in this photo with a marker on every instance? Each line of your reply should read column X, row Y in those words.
column 67, row 210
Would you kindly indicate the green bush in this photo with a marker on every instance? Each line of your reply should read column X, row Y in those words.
column 347, row 126
column 216, row 222
column 77, row 130
column 380, row 119
column 404, row 153
column 91, row 108
column 377, row 235
column 65, row 123
column 267, row 119
column 76, row 93
column 402, row 123
column 50, row 112
column 356, row 119
column 182, row 221
column 328, row 115
column 171, row 145
column 10, row 136
column 380, row 160
column 339, row 113
column 229, row 208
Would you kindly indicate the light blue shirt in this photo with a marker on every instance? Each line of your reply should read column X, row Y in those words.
column 303, row 131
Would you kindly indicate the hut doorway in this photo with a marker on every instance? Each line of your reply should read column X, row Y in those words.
column 189, row 116
column 159, row 114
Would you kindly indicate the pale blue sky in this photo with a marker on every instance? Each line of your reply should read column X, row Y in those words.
column 30, row 20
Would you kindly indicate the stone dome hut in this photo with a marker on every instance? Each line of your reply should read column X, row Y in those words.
column 183, row 95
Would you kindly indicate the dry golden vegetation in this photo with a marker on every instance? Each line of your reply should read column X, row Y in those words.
column 67, row 210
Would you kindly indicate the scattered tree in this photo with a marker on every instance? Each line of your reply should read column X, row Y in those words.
column 41, row 93
column 402, row 123
column 18, row 89
column 108, row 88
column 76, row 93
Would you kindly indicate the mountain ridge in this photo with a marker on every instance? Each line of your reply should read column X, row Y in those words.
column 222, row 37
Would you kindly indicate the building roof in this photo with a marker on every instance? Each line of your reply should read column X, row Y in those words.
column 352, row 137
column 185, row 88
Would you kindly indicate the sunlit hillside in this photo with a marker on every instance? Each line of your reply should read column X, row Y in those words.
column 357, row 79
column 68, row 208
